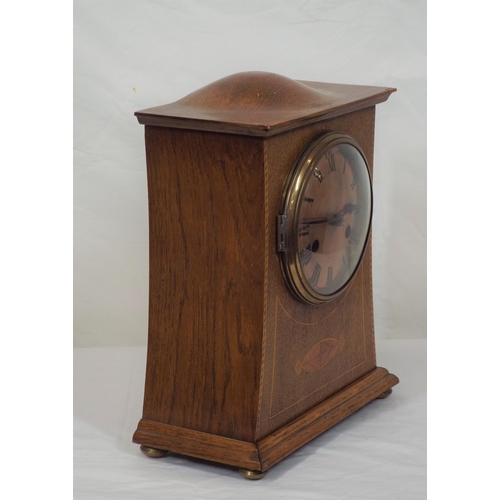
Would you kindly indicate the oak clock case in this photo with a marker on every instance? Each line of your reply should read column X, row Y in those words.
column 260, row 331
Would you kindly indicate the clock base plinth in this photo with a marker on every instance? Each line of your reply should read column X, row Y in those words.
column 263, row 454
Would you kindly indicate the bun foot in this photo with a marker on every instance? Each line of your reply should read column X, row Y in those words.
column 385, row 394
column 153, row 452
column 252, row 474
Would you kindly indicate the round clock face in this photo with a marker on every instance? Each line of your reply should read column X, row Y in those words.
column 327, row 209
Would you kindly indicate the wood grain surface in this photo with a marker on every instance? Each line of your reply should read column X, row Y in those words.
column 206, row 208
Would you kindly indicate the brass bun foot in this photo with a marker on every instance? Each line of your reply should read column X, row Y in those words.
column 153, row 452
column 252, row 474
column 385, row 394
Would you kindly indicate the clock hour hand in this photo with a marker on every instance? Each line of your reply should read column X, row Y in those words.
column 350, row 208
column 337, row 219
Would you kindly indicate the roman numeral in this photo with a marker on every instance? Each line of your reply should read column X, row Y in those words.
column 317, row 173
column 346, row 262
column 304, row 230
column 309, row 200
column 305, row 255
column 329, row 277
column 331, row 161
column 315, row 275
column 354, row 181
column 353, row 237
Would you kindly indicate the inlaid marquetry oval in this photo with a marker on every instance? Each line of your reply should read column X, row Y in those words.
column 319, row 355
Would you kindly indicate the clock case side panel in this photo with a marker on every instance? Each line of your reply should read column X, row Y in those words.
column 292, row 328
column 206, row 210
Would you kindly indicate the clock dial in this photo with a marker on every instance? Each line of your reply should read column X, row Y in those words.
column 328, row 208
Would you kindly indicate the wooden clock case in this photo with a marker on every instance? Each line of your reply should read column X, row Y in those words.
column 238, row 370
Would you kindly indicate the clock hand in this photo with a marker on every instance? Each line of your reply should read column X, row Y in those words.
column 350, row 208
column 336, row 219
column 313, row 221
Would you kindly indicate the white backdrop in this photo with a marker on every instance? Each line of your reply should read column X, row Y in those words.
column 131, row 55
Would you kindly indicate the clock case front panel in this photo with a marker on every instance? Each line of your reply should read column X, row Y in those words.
column 238, row 370
column 314, row 350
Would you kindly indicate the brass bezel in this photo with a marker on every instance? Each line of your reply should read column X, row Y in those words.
column 291, row 203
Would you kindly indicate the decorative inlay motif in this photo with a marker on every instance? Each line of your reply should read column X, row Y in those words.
column 319, row 355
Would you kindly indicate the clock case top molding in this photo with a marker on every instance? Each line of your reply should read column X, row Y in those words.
column 238, row 370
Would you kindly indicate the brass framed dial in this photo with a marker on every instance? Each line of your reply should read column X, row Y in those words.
column 325, row 218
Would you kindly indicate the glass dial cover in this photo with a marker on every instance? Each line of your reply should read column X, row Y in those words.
column 327, row 211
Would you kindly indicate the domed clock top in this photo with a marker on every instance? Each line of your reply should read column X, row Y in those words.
column 261, row 104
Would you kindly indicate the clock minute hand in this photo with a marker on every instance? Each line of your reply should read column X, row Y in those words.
column 313, row 221
column 336, row 219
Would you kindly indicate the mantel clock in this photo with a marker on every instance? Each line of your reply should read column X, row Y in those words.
column 261, row 331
